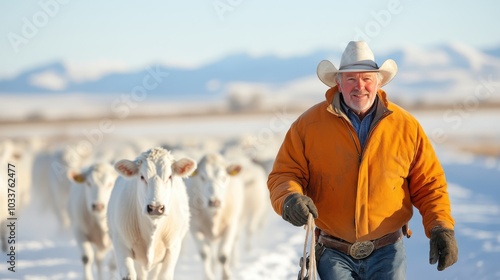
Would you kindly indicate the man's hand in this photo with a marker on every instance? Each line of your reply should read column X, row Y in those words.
column 443, row 247
column 296, row 209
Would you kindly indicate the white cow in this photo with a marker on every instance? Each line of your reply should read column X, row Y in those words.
column 21, row 155
column 6, row 148
column 88, row 200
column 15, row 159
column 40, row 184
column 257, row 206
column 60, row 162
column 148, row 214
column 216, row 201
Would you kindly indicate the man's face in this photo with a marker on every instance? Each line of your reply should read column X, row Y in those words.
column 359, row 90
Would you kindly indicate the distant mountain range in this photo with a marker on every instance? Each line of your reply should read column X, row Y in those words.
column 441, row 69
column 240, row 67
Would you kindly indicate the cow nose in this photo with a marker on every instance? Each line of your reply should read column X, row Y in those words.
column 156, row 210
column 214, row 202
column 97, row 207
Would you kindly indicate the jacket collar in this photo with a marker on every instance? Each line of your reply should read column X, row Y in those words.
column 333, row 98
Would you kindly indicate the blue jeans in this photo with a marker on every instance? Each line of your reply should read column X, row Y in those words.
column 386, row 263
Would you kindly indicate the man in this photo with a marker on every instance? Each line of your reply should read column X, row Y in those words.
column 359, row 163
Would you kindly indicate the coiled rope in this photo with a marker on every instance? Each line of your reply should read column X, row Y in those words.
column 310, row 226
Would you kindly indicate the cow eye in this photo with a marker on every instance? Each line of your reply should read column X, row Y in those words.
column 142, row 178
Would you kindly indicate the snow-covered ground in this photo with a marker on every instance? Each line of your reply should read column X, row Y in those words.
column 45, row 252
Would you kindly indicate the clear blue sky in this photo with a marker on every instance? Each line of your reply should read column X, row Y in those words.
column 189, row 32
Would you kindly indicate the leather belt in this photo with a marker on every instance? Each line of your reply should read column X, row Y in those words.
column 358, row 250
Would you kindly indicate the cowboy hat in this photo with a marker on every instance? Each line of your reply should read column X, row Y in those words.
column 357, row 57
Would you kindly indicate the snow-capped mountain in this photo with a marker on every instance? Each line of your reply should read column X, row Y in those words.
column 54, row 77
column 438, row 73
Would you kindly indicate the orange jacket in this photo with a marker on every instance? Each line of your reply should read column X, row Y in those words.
column 361, row 194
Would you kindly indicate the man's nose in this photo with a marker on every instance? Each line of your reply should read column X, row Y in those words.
column 359, row 84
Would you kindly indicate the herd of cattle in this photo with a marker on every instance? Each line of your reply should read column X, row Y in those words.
column 131, row 205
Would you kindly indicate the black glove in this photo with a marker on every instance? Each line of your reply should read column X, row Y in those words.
column 296, row 209
column 443, row 247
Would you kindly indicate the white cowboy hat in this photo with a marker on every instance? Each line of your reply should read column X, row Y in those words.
column 357, row 57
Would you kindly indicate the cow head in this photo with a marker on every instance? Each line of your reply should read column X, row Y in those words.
column 212, row 179
column 157, row 173
column 98, row 181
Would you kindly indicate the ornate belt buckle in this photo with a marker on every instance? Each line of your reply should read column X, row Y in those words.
column 361, row 250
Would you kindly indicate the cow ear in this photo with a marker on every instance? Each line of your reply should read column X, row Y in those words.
column 76, row 177
column 17, row 156
column 127, row 168
column 184, row 167
column 233, row 169
column 195, row 172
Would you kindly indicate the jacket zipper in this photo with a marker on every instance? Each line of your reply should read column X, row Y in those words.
column 348, row 123
column 361, row 153
column 361, row 150
column 385, row 114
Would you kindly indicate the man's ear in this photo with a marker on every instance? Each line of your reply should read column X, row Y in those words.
column 338, row 79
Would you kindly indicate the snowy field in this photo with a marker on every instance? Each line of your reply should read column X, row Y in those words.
column 44, row 251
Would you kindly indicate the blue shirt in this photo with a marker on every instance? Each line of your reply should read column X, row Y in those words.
column 362, row 127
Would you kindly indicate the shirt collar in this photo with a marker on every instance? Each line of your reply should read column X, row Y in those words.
column 349, row 111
